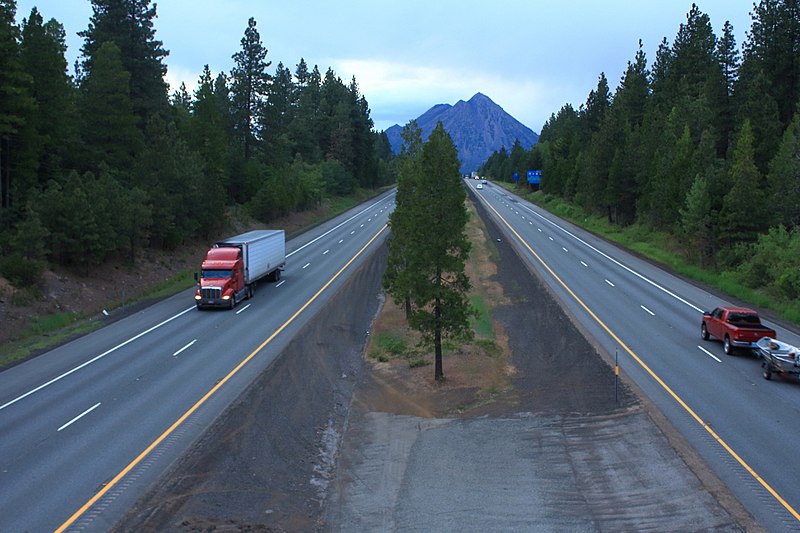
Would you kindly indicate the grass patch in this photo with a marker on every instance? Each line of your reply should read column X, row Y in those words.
column 44, row 333
column 482, row 323
column 391, row 343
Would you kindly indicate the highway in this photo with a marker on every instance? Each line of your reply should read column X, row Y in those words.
column 88, row 426
column 744, row 427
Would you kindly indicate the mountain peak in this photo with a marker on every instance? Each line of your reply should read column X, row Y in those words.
column 478, row 127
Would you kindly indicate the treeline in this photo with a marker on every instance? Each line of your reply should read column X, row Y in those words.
column 107, row 161
column 704, row 145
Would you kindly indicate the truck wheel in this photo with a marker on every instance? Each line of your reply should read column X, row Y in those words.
column 278, row 275
column 704, row 331
column 727, row 346
column 767, row 370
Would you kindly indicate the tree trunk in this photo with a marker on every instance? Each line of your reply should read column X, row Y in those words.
column 408, row 307
column 437, row 343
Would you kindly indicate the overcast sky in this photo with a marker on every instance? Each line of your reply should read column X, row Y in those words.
column 529, row 56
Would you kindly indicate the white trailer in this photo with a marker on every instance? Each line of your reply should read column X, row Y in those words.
column 263, row 253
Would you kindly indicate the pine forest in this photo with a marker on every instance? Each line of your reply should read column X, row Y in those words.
column 110, row 160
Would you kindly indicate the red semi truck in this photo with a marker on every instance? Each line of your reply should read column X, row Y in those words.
column 736, row 327
column 233, row 266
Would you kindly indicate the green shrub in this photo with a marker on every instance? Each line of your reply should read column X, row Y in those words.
column 22, row 273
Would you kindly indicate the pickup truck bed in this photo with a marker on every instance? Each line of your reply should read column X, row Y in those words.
column 736, row 327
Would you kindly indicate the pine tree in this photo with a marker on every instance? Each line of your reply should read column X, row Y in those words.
column 438, row 247
column 744, row 209
column 398, row 278
column 772, row 50
column 129, row 25
column 49, row 134
column 697, row 220
column 108, row 121
column 15, row 99
column 784, row 178
column 249, row 88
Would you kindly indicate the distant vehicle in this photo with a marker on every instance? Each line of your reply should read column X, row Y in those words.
column 232, row 267
column 778, row 358
column 479, row 186
column 483, row 181
column 736, row 327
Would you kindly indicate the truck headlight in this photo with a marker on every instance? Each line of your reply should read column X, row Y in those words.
column 226, row 297
column 198, row 297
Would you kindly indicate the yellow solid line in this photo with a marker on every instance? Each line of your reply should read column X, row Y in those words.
column 206, row 396
column 654, row 375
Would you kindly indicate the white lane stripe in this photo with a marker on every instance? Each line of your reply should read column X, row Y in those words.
column 584, row 264
column 649, row 311
column 325, row 252
column 565, row 249
column 640, row 276
column 194, row 341
column 551, row 239
column 243, row 308
column 352, row 232
column 711, row 355
column 610, row 283
column 341, row 241
column 86, row 412
column 90, row 361
column 340, row 225
column 280, row 283
column 306, row 265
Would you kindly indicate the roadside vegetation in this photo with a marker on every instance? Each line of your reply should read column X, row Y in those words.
column 693, row 160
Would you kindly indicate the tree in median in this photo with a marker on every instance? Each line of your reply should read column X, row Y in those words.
column 436, row 246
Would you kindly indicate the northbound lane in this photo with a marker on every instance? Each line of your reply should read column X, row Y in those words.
column 742, row 426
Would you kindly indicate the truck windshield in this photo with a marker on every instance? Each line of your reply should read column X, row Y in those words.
column 216, row 274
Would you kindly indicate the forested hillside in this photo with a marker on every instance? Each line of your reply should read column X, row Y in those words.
column 109, row 160
column 704, row 145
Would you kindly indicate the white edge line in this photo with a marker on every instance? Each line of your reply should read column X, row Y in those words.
column 86, row 412
column 640, row 276
column 711, row 355
column 341, row 224
column 96, row 358
column 185, row 347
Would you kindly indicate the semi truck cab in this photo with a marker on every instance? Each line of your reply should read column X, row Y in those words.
column 222, row 282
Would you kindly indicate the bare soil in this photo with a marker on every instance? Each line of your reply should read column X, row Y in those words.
column 273, row 460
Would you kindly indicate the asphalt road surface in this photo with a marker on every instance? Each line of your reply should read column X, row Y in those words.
column 744, row 427
column 87, row 427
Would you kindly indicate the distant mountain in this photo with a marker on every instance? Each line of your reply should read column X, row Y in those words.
column 478, row 127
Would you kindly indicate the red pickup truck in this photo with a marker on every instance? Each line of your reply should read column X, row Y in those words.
column 736, row 327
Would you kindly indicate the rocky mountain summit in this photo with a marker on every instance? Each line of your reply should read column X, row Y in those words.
column 478, row 127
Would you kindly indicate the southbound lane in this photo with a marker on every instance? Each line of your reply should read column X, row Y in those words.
column 87, row 427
